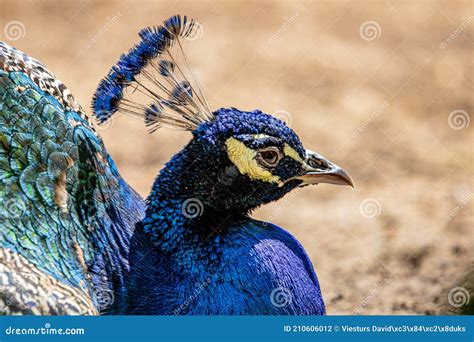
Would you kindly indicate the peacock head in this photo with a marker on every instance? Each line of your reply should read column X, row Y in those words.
column 252, row 158
column 236, row 160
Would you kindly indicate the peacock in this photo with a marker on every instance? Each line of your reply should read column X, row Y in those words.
column 77, row 239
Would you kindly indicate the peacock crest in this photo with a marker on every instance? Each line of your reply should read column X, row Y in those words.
column 154, row 80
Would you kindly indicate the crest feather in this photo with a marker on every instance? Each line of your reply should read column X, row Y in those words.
column 154, row 80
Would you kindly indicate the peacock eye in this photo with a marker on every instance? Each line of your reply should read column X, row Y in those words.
column 269, row 157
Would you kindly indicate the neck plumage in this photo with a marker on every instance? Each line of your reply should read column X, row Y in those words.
column 179, row 218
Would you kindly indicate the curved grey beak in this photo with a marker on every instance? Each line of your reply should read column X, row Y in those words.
column 320, row 170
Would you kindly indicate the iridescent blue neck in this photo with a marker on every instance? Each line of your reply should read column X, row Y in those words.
column 180, row 219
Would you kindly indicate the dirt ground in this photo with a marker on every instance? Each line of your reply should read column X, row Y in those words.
column 383, row 88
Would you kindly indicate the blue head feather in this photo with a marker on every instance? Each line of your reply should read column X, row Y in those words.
column 154, row 42
column 232, row 121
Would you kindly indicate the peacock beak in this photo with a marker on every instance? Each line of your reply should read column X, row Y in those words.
column 320, row 170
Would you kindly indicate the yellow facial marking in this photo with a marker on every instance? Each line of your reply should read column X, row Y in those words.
column 291, row 152
column 244, row 159
column 288, row 150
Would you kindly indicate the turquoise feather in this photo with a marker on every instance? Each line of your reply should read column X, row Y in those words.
column 62, row 198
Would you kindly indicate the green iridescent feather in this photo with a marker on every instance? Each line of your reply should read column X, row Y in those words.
column 63, row 205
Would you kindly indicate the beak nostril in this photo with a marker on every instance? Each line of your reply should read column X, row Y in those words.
column 317, row 163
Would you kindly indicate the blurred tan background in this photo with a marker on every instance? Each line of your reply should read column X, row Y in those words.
column 383, row 88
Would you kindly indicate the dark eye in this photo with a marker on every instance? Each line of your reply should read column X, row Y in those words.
column 269, row 157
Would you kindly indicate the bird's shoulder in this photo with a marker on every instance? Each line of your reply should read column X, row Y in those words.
column 269, row 244
column 267, row 261
column 240, row 270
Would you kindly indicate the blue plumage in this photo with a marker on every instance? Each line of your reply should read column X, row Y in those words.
column 254, row 268
column 194, row 249
column 239, row 260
